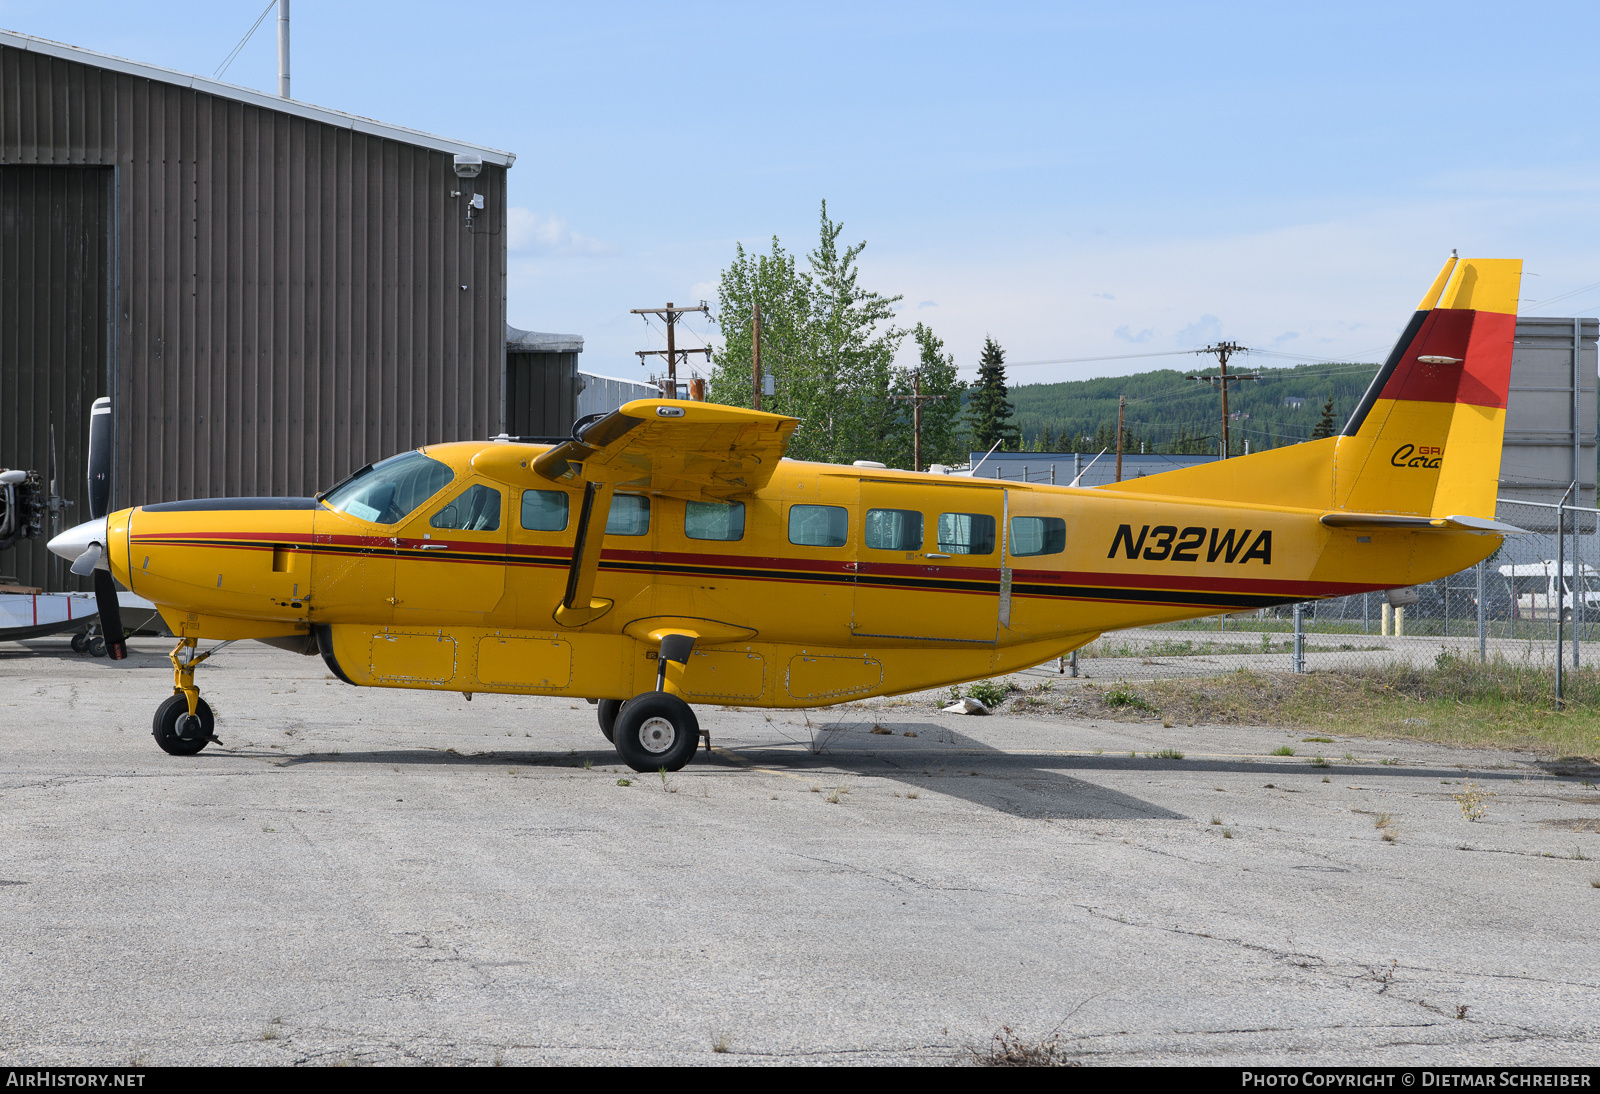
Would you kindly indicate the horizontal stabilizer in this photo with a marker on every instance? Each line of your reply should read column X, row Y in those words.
column 1388, row 522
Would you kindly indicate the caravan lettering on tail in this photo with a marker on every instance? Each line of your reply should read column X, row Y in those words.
column 1165, row 543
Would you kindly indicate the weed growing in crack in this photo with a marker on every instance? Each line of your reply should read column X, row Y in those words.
column 1215, row 819
column 1474, row 801
column 913, row 794
column 1317, row 740
column 1461, row 1011
column 836, row 796
column 1169, row 754
column 624, row 782
column 1008, row 1049
column 1227, row 833
column 587, row 764
column 1282, row 750
column 1318, row 761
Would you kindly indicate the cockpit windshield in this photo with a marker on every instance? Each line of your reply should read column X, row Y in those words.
column 390, row 490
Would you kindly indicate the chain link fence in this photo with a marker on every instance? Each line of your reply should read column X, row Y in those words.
column 1536, row 600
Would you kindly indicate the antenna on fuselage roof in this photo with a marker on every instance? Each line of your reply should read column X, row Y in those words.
column 974, row 472
column 1077, row 480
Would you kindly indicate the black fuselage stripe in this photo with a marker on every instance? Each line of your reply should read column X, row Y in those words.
column 1199, row 598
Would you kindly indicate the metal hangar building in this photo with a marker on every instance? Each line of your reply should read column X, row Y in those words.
column 271, row 293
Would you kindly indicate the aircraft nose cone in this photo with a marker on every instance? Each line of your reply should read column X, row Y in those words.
column 74, row 541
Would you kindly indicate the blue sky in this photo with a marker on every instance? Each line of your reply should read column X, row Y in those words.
column 1074, row 180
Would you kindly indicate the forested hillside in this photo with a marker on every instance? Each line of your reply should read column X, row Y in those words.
column 1169, row 413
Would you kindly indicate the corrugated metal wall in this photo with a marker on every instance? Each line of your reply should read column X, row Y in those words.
column 293, row 299
column 55, row 295
column 602, row 394
column 541, row 393
column 1547, row 446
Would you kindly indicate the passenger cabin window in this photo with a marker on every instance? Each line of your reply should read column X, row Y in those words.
column 476, row 509
column 389, row 491
column 544, row 510
column 714, row 520
column 1038, row 536
column 818, row 525
column 629, row 516
column 892, row 530
column 966, row 534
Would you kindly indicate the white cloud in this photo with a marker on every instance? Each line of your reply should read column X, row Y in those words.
column 530, row 231
column 1208, row 328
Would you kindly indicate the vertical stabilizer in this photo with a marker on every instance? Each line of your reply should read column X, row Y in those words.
column 1425, row 438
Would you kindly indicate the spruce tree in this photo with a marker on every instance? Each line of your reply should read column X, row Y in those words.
column 991, row 411
column 1325, row 426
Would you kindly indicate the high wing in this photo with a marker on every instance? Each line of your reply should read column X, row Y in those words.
column 697, row 451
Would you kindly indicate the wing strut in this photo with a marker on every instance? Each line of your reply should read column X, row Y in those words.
column 580, row 605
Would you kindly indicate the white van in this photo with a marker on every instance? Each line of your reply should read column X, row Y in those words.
column 1534, row 594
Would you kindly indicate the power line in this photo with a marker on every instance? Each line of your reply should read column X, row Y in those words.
column 229, row 59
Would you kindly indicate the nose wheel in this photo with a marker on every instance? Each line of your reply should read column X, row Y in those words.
column 183, row 723
column 179, row 733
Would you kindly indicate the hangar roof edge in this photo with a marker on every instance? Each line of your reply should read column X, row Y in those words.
column 254, row 98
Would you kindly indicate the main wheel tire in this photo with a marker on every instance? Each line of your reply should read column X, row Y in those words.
column 608, row 711
column 656, row 730
column 165, row 727
column 97, row 646
column 80, row 641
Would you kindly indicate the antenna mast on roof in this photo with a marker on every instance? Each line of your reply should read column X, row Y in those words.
column 283, row 49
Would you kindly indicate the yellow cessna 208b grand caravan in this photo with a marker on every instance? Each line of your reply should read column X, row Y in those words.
column 669, row 554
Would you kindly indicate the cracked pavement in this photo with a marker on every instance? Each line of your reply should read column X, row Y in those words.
column 370, row 876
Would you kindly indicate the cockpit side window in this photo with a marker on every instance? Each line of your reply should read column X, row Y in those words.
column 476, row 509
column 392, row 490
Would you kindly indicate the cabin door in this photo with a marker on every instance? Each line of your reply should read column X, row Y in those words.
column 450, row 557
column 928, row 562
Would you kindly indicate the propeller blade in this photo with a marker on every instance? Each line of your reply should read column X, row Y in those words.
column 84, row 566
column 100, row 459
column 105, row 598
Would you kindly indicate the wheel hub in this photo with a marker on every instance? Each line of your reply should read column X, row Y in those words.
column 657, row 735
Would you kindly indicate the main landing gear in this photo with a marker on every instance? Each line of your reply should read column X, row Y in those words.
column 657, row 729
column 183, row 724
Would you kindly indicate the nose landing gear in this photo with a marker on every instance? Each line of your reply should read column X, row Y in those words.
column 183, row 724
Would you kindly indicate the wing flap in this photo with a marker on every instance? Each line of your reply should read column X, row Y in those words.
column 691, row 450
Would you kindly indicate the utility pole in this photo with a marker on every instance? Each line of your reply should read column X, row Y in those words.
column 1122, row 406
column 755, row 366
column 916, row 399
column 672, row 314
column 1222, row 351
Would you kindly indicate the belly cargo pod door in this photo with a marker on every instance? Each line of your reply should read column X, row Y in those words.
column 928, row 562
column 450, row 563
